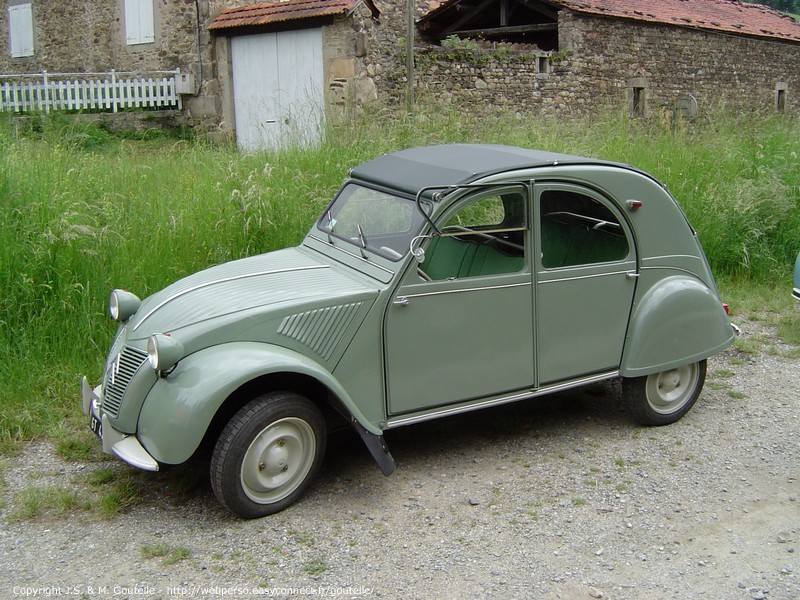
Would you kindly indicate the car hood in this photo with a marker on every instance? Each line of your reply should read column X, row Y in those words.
column 281, row 281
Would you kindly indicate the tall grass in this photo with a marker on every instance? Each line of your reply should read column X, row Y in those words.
column 83, row 211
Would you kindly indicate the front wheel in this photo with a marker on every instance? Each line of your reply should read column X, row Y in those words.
column 267, row 454
column 663, row 398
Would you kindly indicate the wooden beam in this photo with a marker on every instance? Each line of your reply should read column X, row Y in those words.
column 540, row 8
column 467, row 17
column 507, row 30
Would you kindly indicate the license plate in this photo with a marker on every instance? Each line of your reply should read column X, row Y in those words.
column 96, row 425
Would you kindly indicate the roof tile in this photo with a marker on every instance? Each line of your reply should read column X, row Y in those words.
column 714, row 15
column 717, row 15
column 280, row 12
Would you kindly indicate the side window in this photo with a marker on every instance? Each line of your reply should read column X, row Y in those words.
column 484, row 237
column 576, row 229
column 20, row 29
column 139, row 22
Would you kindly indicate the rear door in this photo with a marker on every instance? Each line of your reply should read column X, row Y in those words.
column 586, row 272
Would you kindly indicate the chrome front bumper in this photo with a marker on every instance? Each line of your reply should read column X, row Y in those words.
column 122, row 445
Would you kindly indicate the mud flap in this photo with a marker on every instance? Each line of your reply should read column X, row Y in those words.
column 377, row 448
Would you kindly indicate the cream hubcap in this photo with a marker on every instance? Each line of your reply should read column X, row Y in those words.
column 278, row 460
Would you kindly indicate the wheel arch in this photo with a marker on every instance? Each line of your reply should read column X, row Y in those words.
column 192, row 403
column 325, row 400
column 679, row 320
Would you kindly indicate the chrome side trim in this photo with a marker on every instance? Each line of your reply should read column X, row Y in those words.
column 650, row 259
column 223, row 280
column 577, row 277
column 461, row 290
column 672, row 268
column 478, row 404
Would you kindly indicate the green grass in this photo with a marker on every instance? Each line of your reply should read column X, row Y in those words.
column 33, row 502
column 167, row 553
column 83, row 211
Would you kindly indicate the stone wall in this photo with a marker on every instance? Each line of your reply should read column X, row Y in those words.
column 599, row 63
column 84, row 36
column 88, row 35
column 605, row 56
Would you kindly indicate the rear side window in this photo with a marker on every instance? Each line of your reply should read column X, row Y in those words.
column 576, row 230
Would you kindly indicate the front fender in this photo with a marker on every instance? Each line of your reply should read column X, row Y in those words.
column 179, row 408
column 679, row 320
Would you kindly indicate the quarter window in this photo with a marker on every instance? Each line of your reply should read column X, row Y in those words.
column 20, row 23
column 139, row 22
column 578, row 230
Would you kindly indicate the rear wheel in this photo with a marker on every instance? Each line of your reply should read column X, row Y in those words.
column 267, row 454
column 663, row 398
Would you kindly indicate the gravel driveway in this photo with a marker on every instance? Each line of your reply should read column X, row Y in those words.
column 562, row 497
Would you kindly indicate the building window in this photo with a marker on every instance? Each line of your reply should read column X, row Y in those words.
column 638, row 96
column 20, row 29
column 780, row 97
column 139, row 22
column 542, row 64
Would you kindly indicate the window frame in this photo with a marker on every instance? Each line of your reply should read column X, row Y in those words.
column 21, row 39
column 139, row 22
column 488, row 233
column 620, row 221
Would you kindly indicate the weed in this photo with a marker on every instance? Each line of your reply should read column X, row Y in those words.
column 33, row 502
column 166, row 552
column 154, row 551
column 314, row 568
column 78, row 448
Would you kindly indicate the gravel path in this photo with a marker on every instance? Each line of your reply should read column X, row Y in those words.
column 556, row 498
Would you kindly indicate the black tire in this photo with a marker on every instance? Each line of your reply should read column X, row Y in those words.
column 267, row 454
column 663, row 398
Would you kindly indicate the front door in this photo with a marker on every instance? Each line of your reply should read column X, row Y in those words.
column 461, row 327
column 585, row 279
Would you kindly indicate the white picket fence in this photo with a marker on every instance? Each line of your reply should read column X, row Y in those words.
column 95, row 92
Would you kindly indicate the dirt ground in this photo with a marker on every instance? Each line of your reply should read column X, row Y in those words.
column 562, row 497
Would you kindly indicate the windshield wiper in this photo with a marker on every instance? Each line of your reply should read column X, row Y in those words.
column 363, row 240
column 331, row 225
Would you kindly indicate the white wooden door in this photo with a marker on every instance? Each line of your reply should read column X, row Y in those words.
column 278, row 88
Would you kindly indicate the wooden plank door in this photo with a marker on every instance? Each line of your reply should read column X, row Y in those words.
column 278, row 88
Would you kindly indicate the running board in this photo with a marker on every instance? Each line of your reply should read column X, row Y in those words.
column 479, row 404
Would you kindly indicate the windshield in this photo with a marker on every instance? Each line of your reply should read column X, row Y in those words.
column 373, row 220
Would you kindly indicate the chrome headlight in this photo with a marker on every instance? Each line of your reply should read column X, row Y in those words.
column 163, row 351
column 122, row 305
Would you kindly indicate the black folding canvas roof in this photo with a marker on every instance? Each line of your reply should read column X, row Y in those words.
column 454, row 164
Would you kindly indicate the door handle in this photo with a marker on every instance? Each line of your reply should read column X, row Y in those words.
column 631, row 275
column 401, row 301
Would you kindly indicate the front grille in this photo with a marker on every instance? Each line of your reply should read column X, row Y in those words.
column 119, row 375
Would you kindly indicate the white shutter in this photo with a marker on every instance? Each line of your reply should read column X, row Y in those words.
column 139, row 22
column 20, row 20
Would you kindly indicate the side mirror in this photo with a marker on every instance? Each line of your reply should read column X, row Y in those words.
column 419, row 252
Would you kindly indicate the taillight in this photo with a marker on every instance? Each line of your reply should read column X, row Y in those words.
column 726, row 308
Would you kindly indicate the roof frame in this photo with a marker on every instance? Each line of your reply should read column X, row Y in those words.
column 498, row 11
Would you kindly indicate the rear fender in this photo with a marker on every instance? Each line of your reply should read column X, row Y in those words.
column 680, row 320
column 180, row 407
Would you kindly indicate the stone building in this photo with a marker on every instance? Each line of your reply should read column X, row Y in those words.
column 268, row 72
